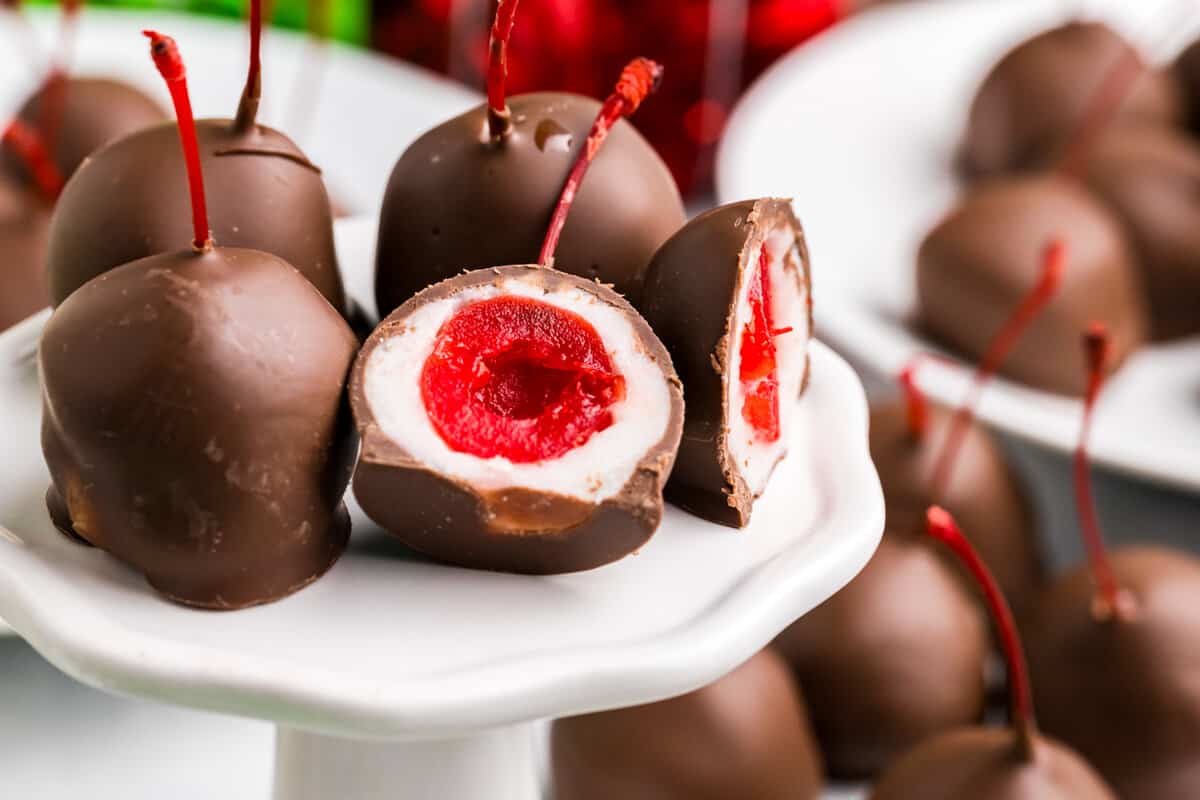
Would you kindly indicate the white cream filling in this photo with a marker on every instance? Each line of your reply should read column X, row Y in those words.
column 753, row 457
column 592, row 472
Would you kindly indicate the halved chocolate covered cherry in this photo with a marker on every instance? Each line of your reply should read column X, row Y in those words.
column 729, row 296
column 518, row 419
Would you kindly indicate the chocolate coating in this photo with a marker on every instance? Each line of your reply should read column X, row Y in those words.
column 1123, row 692
column 195, row 425
column 1032, row 101
column 895, row 657
column 1150, row 178
column 974, row 268
column 983, row 493
column 746, row 736
column 986, row 764
column 458, row 201
column 1186, row 72
column 130, row 200
column 24, row 222
column 689, row 299
column 519, row 529
column 95, row 112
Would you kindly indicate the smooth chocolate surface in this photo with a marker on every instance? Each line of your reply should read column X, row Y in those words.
column 24, row 224
column 895, row 657
column 1150, row 178
column 130, row 200
column 1123, row 692
column 514, row 530
column 1186, row 72
column 985, row 764
column 195, row 424
column 1033, row 100
column 457, row 200
column 983, row 493
column 978, row 263
column 746, row 736
column 92, row 112
column 689, row 299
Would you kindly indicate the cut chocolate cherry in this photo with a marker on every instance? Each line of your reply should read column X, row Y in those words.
column 516, row 418
column 729, row 295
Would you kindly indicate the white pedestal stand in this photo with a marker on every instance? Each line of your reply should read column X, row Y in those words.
column 394, row 677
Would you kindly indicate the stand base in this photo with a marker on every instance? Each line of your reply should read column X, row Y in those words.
column 499, row 764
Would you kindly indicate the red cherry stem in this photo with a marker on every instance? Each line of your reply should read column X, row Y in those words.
column 1053, row 261
column 638, row 80
column 499, row 117
column 941, row 526
column 166, row 57
column 27, row 144
column 247, row 111
column 916, row 405
column 1110, row 599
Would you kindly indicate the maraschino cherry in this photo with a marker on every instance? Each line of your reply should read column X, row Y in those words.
column 863, row 657
column 194, row 417
column 130, row 200
column 479, row 190
column 1015, row 762
column 1114, row 647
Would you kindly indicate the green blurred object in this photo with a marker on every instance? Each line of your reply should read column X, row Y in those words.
column 348, row 18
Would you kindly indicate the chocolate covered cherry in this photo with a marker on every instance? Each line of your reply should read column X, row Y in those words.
column 86, row 114
column 729, row 296
column 744, row 736
column 988, row 253
column 130, row 199
column 479, row 190
column 1012, row 763
column 194, row 422
column 519, row 418
column 1114, row 648
column 1150, row 178
column 1034, row 100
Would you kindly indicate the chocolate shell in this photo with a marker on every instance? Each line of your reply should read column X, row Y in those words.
column 130, row 200
column 986, row 764
column 745, row 736
column 24, row 224
column 458, row 200
column 1123, row 691
column 1032, row 101
column 983, row 493
column 1186, row 72
column 690, row 296
column 895, row 657
column 1150, row 178
column 519, row 527
column 94, row 112
column 974, row 268
column 195, row 424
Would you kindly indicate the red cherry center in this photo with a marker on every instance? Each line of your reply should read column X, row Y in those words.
column 518, row 378
column 757, row 364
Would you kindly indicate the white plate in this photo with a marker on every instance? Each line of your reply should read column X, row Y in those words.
column 390, row 644
column 860, row 126
column 368, row 107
